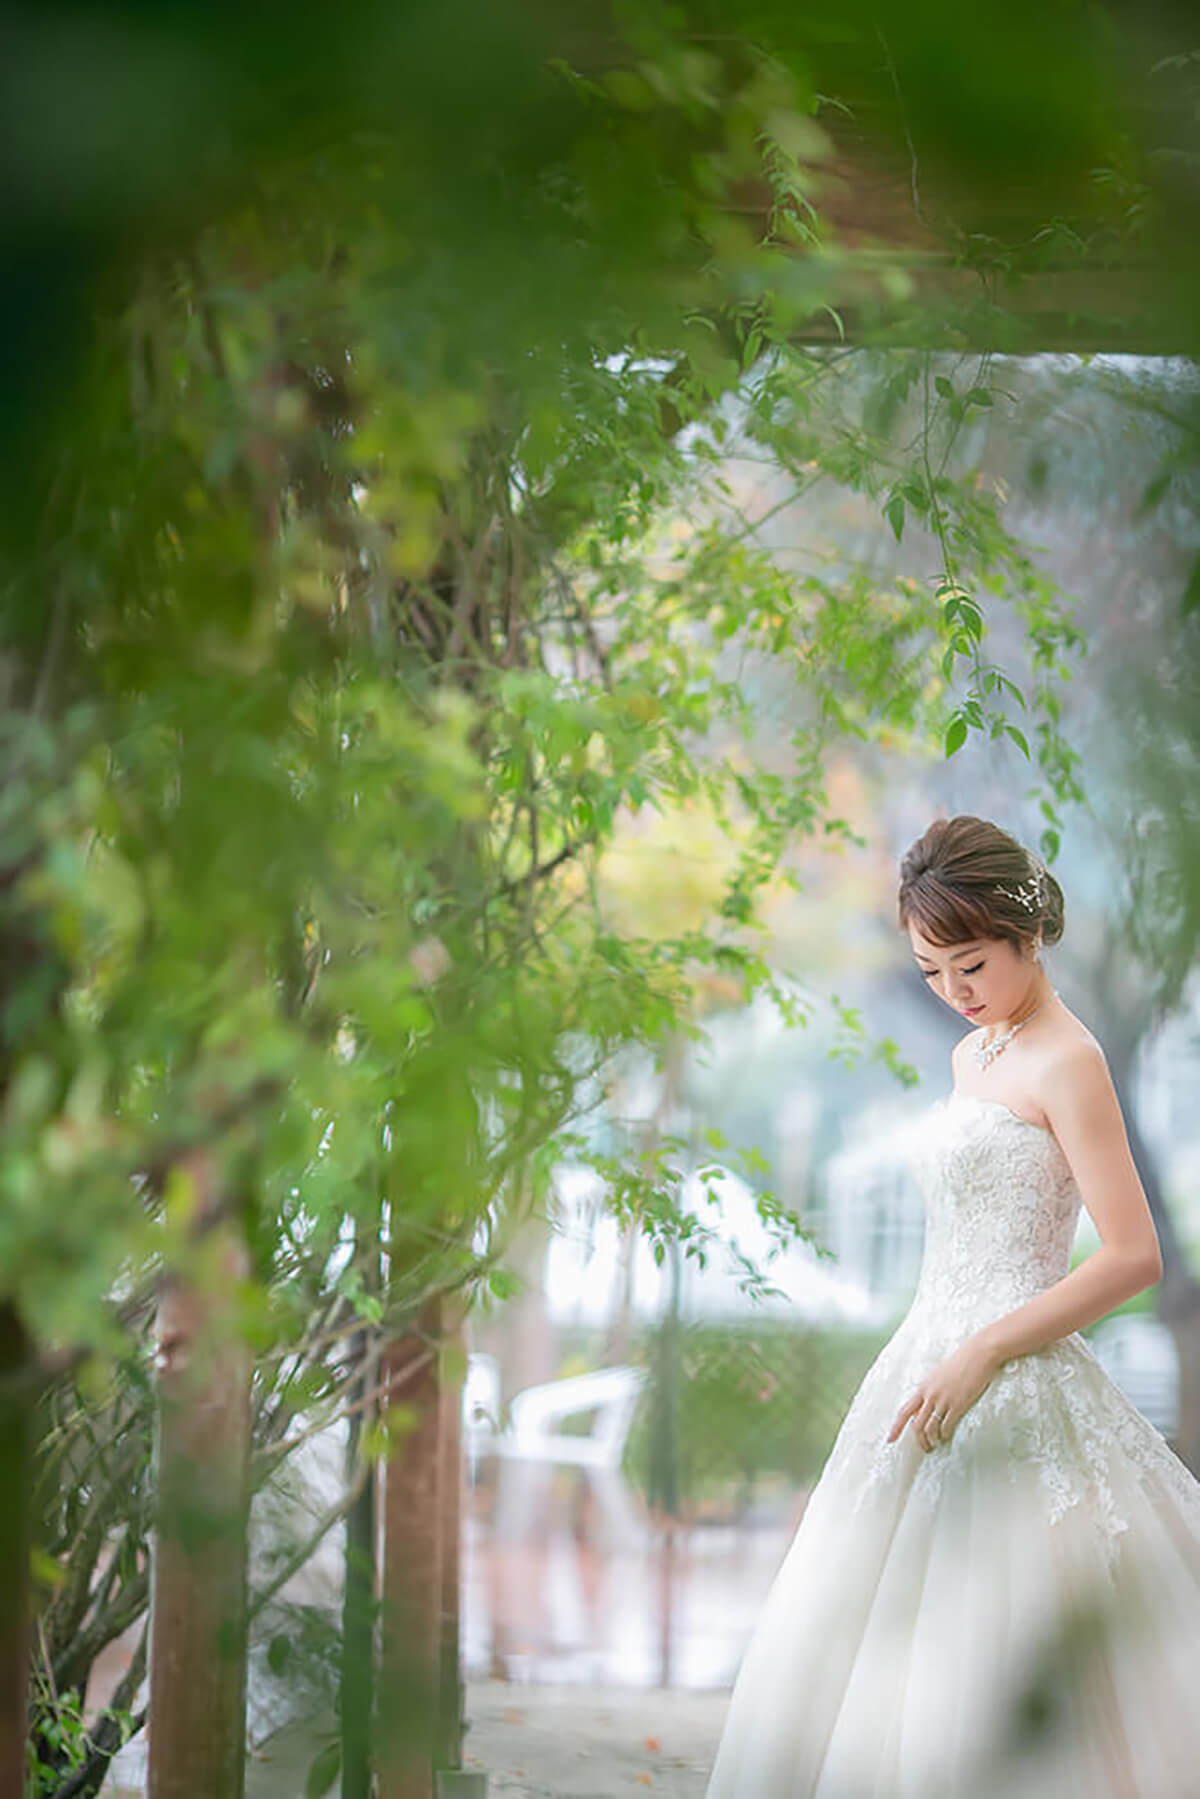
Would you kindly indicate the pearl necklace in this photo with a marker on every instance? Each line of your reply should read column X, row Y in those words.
column 986, row 1053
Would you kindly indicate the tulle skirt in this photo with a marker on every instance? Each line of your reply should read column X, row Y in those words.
column 1015, row 1613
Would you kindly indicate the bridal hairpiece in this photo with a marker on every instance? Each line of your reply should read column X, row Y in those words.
column 1030, row 894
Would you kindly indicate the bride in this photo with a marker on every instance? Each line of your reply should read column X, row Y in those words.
column 995, row 1588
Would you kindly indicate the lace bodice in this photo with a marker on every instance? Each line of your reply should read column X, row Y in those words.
column 1001, row 1211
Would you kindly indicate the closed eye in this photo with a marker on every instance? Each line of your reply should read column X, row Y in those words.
column 928, row 973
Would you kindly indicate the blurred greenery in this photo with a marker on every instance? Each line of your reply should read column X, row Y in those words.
column 755, row 1401
column 370, row 595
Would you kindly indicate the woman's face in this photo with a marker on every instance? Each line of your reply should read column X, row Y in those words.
column 987, row 979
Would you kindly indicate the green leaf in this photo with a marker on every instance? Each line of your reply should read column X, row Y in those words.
column 1010, row 687
column 979, row 396
column 1153, row 492
column 836, row 316
column 1191, row 593
column 944, row 387
column 972, row 617
column 279, row 1653
column 323, row 1770
column 1019, row 739
column 956, row 734
column 895, row 515
column 716, row 1139
column 1050, row 842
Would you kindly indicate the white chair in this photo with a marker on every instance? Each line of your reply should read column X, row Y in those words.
column 534, row 1443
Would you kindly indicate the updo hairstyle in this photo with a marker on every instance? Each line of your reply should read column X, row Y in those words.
column 966, row 878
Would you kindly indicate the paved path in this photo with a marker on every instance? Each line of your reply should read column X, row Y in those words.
column 592, row 1743
column 553, row 1743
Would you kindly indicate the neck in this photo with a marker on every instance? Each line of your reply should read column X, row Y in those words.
column 1037, row 993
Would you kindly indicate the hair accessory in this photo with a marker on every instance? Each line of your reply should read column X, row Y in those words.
column 1030, row 894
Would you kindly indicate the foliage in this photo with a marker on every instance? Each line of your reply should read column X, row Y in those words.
column 365, row 643
column 389, row 583
column 753, row 1401
column 64, row 1743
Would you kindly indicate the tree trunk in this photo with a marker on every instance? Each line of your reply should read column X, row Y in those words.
column 16, row 1490
column 197, row 1723
column 664, row 1485
column 618, row 1347
column 450, row 1688
column 412, row 1569
column 358, row 1614
column 618, row 1341
column 526, row 1336
column 34, row 973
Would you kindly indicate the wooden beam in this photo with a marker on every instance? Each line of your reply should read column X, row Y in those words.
column 910, row 253
column 408, row 1711
column 450, row 1687
column 197, row 1723
column 16, row 1499
column 913, row 298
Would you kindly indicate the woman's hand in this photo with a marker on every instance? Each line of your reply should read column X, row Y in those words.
column 946, row 1394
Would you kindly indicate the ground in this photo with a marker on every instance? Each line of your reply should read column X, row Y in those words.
column 592, row 1743
column 539, row 1742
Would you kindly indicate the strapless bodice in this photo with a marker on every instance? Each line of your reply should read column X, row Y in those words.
column 1002, row 1207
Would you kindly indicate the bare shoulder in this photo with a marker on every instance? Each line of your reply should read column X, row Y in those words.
column 961, row 1054
column 1073, row 1075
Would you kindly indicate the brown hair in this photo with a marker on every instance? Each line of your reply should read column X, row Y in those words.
column 966, row 878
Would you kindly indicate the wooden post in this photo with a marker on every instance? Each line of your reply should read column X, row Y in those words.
column 197, row 1723
column 665, row 1463
column 450, row 1689
column 16, row 1490
column 412, row 1568
column 358, row 1607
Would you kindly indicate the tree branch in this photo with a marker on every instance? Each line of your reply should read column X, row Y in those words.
column 331, row 1516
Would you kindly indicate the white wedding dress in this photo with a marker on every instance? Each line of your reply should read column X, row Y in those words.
column 1016, row 1613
